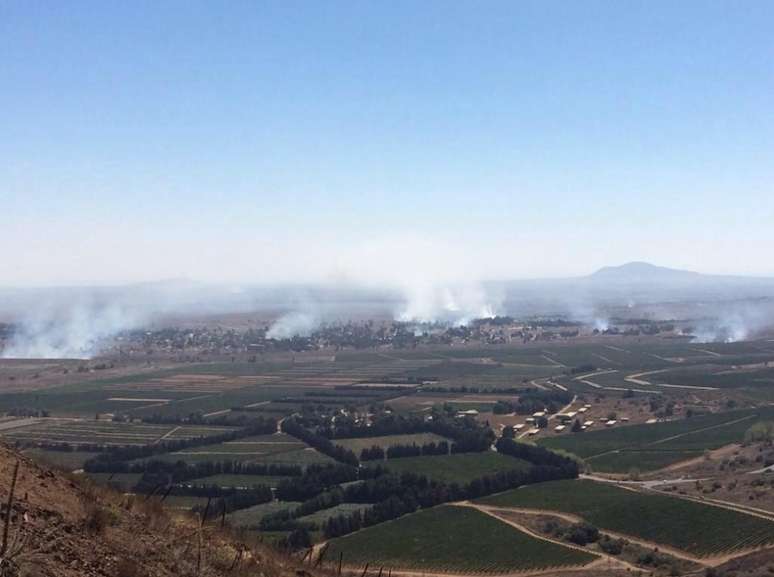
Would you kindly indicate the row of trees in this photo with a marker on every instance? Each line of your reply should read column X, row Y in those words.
column 181, row 471
column 198, row 418
column 286, row 519
column 467, row 434
column 315, row 480
column 292, row 427
column 377, row 453
column 395, row 496
column 392, row 495
column 237, row 499
column 532, row 401
column 110, row 457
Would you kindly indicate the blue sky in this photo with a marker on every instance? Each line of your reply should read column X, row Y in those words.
column 264, row 141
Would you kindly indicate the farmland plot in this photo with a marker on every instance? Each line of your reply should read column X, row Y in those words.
column 657, row 518
column 320, row 517
column 650, row 447
column 359, row 444
column 279, row 449
column 237, row 481
column 457, row 468
column 107, row 433
column 424, row 541
column 252, row 516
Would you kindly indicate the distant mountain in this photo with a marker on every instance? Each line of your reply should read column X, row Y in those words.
column 639, row 272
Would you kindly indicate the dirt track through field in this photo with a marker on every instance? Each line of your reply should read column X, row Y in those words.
column 672, row 438
column 637, row 380
column 594, row 374
column 492, row 512
column 577, row 519
column 711, row 561
column 714, row 560
column 607, row 561
column 725, row 424
column 168, row 433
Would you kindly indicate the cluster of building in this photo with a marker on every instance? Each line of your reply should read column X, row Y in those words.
column 539, row 420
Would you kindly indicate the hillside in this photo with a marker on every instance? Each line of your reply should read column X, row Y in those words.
column 68, row 528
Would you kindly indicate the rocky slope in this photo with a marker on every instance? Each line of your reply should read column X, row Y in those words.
column 66, row 527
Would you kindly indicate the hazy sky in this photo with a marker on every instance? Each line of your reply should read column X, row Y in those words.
column 262, row 141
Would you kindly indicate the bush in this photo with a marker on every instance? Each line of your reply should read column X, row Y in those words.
column 98, row 519
column 582, row 534
column 611, row 546
column 299, row 539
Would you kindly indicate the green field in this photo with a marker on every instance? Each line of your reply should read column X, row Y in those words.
column 67, row 460
column 280, row 449
column 651, row 447
column 457, row 468
column 721, row 379
column 121, row 481
column 702, row 530
column 454, row 539
column 184, row 502
column 320, row 517
column 251, row 516
column 240, row 481
column 108, row 433
column 357, row 445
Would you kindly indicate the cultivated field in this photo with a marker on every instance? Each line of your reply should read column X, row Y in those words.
column 650, row 447
column 457, row 468
column 108, row 433
column 635, row 379
column 252, row 516
column 702, row 530
column 320, row 517
column 453, row 539
column 357, row 445
column 278, row 448
column 237, row 481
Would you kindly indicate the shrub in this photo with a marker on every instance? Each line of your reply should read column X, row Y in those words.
column 98, row 519
column 611, row 546
column 582, row 534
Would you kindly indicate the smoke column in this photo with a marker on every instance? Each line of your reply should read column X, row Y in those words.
column 76, row 332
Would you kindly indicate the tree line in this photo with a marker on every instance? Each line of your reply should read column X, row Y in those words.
column 110, row 457
column 377, row 453
column 319, row 442
column 392, row 495
column 533, row 401
column 468, row 435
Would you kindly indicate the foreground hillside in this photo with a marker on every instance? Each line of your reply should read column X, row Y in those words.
column 65, row 528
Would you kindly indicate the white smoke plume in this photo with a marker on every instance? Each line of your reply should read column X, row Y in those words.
column 733, row 323
column 457, row 304
column 293, row 324
column 435, row 280
column 77, row 332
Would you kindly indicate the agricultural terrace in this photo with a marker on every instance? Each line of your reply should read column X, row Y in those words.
column 653, row 517
column 276, row 448
column 452, row 539
column 458, row 468
column 357, row 445
column 653, row 446
column 108, row 433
